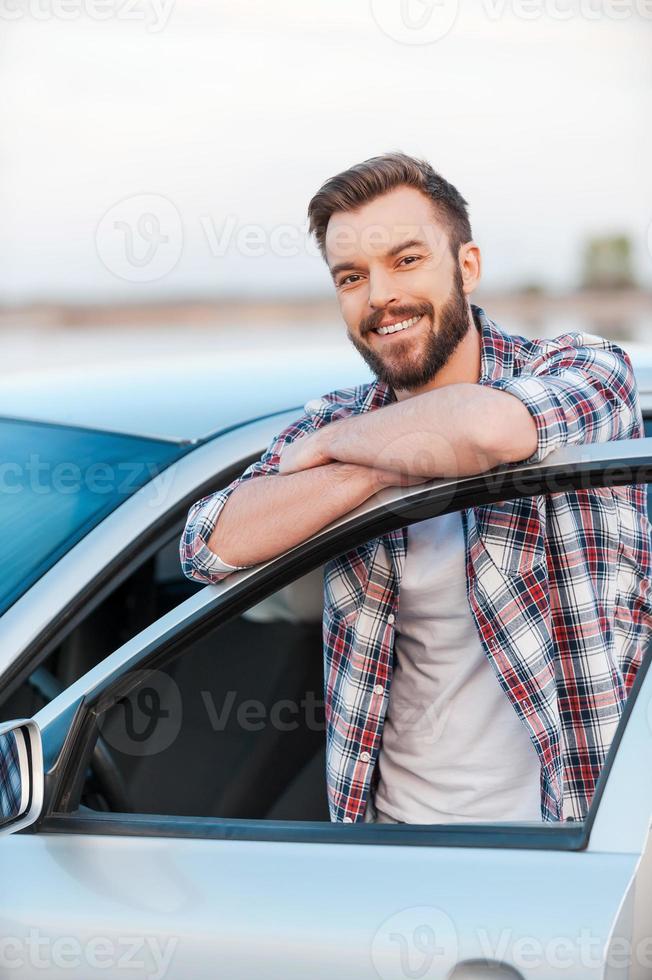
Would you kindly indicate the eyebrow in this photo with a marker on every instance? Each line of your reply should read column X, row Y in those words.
column 390, row 254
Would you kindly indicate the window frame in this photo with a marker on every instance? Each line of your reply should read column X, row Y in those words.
column 617, row 463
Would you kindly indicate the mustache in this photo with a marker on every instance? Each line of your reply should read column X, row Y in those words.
column 374, row 320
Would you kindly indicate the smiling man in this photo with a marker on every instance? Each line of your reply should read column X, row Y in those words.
column 476, row 663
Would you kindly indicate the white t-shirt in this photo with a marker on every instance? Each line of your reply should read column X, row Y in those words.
column 453, row 747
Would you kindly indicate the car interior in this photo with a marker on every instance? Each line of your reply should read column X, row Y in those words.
column 251, row 740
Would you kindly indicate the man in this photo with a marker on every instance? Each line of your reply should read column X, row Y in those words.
column 492, row 690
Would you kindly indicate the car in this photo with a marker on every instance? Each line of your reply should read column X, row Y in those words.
column 162, row 742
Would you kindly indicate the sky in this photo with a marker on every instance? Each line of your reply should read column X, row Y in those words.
column 155, row 150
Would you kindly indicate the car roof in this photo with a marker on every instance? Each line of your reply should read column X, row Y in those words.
column 186, row 399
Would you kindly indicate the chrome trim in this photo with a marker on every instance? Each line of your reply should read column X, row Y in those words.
column 36, row 773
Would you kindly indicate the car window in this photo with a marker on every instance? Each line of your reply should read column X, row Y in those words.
column 234, row 725
column 58, row 482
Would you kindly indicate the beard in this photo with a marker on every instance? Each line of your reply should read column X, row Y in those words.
column 400, row 372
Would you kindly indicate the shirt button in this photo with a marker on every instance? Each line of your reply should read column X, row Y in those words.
column 347, row 820
column 365, row 757
column 391, row 619
column 379, row 689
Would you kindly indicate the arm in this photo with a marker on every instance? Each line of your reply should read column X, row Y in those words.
column 262, row 514
column 265, row 517
column 440, row 433
column 579, row 389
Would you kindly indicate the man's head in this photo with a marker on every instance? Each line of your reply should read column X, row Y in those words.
column 397, row 239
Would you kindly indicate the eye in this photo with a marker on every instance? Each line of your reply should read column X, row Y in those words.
column 409, row 259
column 351, row 278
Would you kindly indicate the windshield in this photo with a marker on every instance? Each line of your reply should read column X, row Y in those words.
column 56, row 484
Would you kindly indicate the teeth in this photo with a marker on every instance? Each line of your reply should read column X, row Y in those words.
column 403, row 325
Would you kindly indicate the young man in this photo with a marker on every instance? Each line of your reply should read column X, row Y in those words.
column 493, row 689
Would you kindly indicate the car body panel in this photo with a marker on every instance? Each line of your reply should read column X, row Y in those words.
column 244, row 909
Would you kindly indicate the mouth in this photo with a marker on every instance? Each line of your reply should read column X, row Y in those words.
column 398, row 327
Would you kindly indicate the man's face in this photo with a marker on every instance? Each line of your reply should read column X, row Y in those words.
column 391, row 264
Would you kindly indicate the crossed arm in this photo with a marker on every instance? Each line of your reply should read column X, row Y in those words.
column 454, row 431
column 303, row 485
column 578, row 390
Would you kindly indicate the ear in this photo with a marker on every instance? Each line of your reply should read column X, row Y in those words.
column 470, row 260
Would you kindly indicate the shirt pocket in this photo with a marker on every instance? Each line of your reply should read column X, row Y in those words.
column 513, row 534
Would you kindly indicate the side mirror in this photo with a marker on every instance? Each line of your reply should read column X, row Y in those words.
column 21, row 775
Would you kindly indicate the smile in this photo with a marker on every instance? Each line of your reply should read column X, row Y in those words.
column 395, row 327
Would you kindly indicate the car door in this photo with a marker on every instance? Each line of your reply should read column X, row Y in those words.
column 150, row 894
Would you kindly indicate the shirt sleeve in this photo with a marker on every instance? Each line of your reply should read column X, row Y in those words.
column 579, row 389
column 198, row 561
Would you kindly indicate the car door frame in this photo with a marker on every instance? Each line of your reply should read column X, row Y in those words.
column 70, row 718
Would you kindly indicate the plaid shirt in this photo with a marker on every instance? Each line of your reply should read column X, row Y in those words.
column 558, row 584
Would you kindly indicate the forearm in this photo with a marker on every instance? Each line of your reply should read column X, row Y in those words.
column 268, row 515
column 454, row 431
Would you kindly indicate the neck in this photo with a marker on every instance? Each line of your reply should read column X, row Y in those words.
column 462, row 367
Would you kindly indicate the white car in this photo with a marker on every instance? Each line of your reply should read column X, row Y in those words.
column 162, row 749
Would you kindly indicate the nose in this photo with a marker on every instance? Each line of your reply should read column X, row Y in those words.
column 382, row 290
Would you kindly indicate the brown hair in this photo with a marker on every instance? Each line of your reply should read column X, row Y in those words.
column 365, row 181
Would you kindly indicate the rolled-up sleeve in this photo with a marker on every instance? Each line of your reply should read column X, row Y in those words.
column 199, row 562
column 579, row 389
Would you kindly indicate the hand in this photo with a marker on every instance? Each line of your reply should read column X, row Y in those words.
column 304, row 453
column 392, row 478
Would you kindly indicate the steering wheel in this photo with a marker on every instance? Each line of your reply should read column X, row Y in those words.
column 105, row 771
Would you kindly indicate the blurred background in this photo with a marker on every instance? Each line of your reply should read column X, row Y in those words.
column 157, row 158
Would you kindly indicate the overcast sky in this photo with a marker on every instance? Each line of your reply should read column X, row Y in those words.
column 170, row 150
